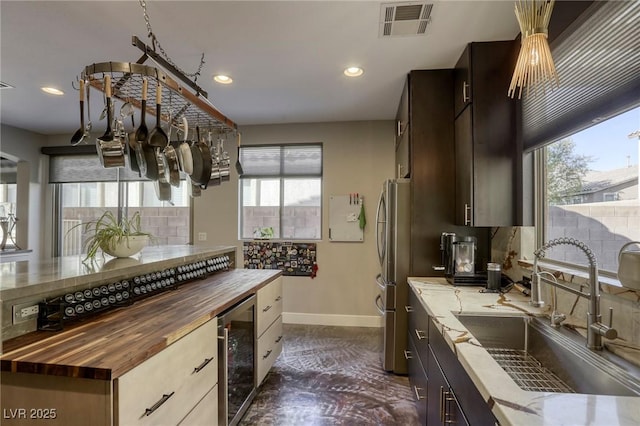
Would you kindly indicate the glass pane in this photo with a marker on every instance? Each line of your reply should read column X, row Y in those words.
column 302, row 212
column 8, row 194
column 169, row 223
column 260, row 208
column 592, row 190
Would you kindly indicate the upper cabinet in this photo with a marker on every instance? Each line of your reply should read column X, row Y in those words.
column 462, row 82
column 403, row 152
column 488, row 149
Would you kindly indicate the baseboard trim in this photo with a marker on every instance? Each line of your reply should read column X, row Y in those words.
column 332, row 319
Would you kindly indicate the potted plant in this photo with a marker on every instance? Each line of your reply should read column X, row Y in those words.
column 122, row 238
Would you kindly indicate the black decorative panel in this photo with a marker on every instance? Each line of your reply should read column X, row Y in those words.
column 295, row 259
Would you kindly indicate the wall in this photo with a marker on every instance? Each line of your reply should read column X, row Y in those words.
column 358, row 157
column 23, row 147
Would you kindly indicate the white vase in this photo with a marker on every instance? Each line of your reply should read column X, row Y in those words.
column 126, row 246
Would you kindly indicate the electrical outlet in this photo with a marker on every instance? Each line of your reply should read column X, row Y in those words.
column 24, row 312
column 202, row 236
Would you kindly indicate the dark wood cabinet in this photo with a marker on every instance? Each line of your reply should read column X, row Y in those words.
column 432, row 163
column 403, row 123
column 442, row 407
column 462, row 82
column 442, row 388
column 488, row 148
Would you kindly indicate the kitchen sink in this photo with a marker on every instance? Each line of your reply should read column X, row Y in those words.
column 540, row 358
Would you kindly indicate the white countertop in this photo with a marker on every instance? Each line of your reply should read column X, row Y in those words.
column 512, row 405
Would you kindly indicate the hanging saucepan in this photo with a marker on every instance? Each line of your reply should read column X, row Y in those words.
column 201, row 162
column 192, row 189
column 141, row 132
column 214, row 179
column 163, row 190
column 110, row 149
column 225, row 162
column 184, row 150
column 170, row 164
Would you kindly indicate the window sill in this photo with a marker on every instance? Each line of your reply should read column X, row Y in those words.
column 570, row 273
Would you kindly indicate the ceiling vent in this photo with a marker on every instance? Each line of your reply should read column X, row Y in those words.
column 404, row 19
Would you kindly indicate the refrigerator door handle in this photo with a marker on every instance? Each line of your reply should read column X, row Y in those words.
column 380, row 282
column 379, row 305
column 381, row 247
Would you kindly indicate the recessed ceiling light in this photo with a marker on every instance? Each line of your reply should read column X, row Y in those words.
column 52, row 91
column 353, row 72
column 223, row 79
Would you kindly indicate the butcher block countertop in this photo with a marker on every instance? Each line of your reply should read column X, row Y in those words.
column 106, row 346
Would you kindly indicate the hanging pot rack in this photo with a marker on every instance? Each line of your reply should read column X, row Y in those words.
column 127, row 87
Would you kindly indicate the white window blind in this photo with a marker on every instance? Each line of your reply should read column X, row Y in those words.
column 303, row 160
column 598, row 64
column 87, row 168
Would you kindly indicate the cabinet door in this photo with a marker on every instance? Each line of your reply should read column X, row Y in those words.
column 436, row 388
column 403, row 150
column 464, row 168
column 462, row 82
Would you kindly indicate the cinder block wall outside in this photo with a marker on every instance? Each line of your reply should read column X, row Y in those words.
column 298, row 222
column 604, row 228
column 168, row 225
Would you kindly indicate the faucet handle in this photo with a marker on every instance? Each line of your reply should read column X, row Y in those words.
column 610, row 316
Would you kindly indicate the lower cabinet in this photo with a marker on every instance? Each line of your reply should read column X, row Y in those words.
column 443, row 391
column 205, row 413
column 167, row 386
column 268, row 327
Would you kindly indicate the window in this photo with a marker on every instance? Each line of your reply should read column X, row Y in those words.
column 8, row 201
column 281, row 192
column 591, row 190
column 84, row 190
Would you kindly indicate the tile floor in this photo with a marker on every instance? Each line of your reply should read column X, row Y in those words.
column 331, row 376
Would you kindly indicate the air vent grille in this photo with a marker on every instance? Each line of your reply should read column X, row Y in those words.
column 404, row 18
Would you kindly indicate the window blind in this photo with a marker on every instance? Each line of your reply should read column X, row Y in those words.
column 598, row 64
column 304, row 160
column 87, row 168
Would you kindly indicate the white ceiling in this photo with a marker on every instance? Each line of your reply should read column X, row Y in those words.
column 286, row 57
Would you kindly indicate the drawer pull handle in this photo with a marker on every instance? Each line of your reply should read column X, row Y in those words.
column 266, row 309
column 408, row 308
column 420, row 334
column 417, row 391
column 408, row 355
column 279, row 298
column 265, row 356
column 278, row 339
column 157, row 405
column 201, row 366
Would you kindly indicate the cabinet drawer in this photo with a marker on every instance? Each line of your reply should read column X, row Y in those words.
column 164, row 388
column 205, row 413
column 268, row 348
column 269, row 305
column 418, row 381
column 418, row 326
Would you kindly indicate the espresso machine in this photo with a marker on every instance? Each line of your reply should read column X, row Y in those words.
column 459, row 259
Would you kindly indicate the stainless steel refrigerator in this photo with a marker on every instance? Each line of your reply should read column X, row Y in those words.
column 393, row 229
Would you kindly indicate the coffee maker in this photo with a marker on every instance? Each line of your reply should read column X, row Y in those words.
column 458, row 259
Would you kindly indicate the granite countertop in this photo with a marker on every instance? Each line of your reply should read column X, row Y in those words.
column 27, row 278
column 108, row 345
column 510, row 404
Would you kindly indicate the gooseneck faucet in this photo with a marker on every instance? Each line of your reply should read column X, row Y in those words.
column 595, row 328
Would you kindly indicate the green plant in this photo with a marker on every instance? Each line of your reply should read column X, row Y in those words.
column 107, row 231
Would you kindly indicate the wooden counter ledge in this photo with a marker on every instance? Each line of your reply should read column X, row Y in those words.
column 106, row 346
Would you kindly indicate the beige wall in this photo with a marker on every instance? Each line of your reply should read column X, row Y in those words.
column 358, row 157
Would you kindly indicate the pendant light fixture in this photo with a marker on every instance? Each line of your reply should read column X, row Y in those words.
column 535, row 65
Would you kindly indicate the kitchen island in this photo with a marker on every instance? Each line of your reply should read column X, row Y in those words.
column 507, row 402
column 94, row 369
